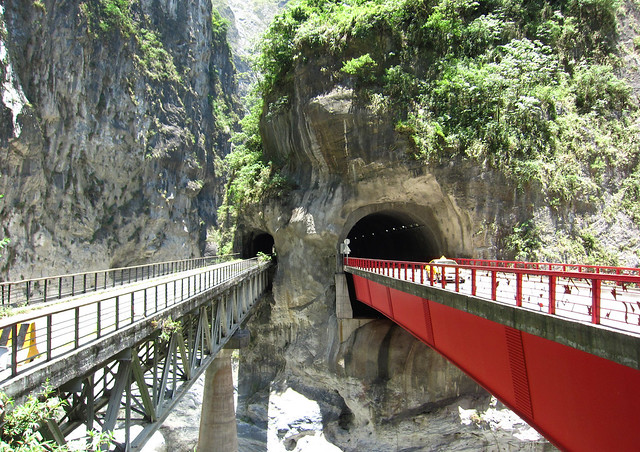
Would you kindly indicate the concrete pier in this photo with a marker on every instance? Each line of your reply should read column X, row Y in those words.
column 218, row 428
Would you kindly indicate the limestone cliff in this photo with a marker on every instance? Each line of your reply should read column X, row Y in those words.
column 352, row 170
column 110, row 143
column 248, row 20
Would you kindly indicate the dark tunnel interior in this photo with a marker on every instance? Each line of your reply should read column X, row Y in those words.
column 258, row 242
column 389, row 235
column 392, row 236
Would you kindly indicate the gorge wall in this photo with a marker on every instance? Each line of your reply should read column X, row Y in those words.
column 380, row 388
column 351, row 168
column 112, row 132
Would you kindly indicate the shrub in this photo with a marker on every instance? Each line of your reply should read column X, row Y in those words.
column 361, row 66
column 20, row 426
column 525, row 241
column 362, row 69
column 597, row 88
column 219, row 25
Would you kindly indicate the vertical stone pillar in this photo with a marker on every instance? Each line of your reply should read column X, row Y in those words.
column 218, row 428
column 343, row 302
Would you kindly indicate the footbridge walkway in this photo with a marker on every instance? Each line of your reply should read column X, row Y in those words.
column 122, row 345
column 559, row 344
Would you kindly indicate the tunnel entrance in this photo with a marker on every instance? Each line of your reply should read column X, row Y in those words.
column 258, row 242
column 390, row 235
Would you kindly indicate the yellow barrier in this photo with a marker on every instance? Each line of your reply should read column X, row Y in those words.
column 26, row 341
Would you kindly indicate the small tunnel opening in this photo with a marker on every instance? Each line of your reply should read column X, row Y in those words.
column 258, row 242
column 389, row 235
column 263, row 243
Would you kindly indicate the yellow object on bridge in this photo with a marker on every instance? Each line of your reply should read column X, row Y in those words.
column 26, row 341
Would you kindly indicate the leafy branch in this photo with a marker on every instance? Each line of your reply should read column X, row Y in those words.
column 20, row 426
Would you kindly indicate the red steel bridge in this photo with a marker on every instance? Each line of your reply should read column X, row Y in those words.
column 559, row 344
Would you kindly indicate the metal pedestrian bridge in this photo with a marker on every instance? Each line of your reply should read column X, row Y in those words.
column 122, row 346
column 558, row 344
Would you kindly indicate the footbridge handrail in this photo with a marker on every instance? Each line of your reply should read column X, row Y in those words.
column 44, row 289
column 53, row 331
column 607, row 296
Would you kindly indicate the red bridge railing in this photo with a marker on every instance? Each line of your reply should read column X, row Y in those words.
column 580, row 268
column 601, row 295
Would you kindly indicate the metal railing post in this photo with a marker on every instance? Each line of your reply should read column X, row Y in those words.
column 117, row 325
column 133, row 304
column 595, row 304
column 77, row 327
column 49, row 336
column 519, row 289
column 494, row 285
column 99, row 318
column 552, row 294
column 474, row 284
column 14, row 349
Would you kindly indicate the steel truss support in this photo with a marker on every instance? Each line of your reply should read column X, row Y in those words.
column 132, row 394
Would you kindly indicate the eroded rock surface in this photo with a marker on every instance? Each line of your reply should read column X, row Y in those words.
column 378, row 388
column 107, row 152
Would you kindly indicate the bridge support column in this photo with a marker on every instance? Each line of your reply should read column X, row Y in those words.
column 343, row 303
column 218, row 428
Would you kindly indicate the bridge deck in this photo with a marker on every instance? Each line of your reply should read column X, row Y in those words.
column 61, row 327
column 607, row 296
column 565, row 373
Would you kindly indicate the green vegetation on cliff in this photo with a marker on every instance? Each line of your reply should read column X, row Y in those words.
column 250, row 177
column 530, row 89
column 115, row 16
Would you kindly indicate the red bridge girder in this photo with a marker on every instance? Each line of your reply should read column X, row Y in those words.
column 577, row 400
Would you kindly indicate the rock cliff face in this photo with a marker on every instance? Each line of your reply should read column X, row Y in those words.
column 109, row 142
column 353, row 177
column 380, row 389
column 247, row 22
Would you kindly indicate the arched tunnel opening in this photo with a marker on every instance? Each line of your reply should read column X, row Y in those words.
column 389, row 235
column 392, row 236
column 258, row 242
